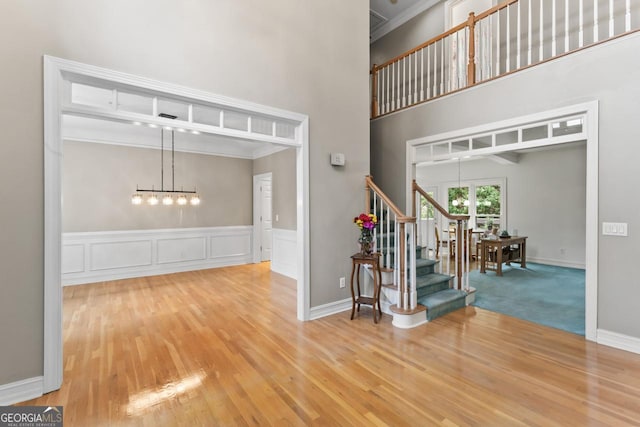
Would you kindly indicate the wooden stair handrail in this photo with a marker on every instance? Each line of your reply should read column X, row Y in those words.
column 415, row 187
column 400, row 217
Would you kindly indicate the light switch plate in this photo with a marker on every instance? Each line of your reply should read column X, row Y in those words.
column 337, row 159
column 614, row 229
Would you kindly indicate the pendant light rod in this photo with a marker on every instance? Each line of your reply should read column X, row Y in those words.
column 173, row 163
column 161, row 159
column 137, row 199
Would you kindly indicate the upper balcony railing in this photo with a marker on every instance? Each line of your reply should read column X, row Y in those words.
column 509, row 37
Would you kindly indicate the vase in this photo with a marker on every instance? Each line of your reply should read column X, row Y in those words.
column 366, row 245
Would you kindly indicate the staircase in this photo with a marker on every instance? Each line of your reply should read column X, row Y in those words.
column 434, row 290
column 413, row 292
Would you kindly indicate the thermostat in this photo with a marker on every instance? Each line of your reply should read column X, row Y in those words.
column 337, row 159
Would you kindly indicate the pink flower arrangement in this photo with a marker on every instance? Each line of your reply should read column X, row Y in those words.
column 366, row 221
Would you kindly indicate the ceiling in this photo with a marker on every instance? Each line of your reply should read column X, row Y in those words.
column 387, row 15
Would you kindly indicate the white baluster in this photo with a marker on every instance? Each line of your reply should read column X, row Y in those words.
column 375, row 209
column 428, row 72
column 611, row 20
column 389, row 239
column 627, row 16
column 455, row 258
column 399, row 100
column 414, row 292
column 381, row 96
column 422, row 74
column 393, row 86
column 442, row 66
column 469, row 244
column 529, row 41
column 581, row 24
column 404, row 81
column 541, row 54
column 388, row 92
column 415, row 77
column 379, row 90
column 596, row 28
column 553, row 28
column 435, row 68
column 566, row 25
column 518, row 27
column 405, row 255
column 508, row 64
column 498, row 44
column 409, row 82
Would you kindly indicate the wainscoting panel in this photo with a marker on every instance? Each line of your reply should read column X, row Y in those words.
column 284, row 252
column 223, row 246
column 115, row 255
column 73, row 259
column 110, row 255
column 179, row 250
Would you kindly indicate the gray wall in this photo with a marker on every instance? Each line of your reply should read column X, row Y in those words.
column 99, row 179
column 282, row 165
column 414, row 32
column 607, row 73
column 546, row 198
column 279, row 53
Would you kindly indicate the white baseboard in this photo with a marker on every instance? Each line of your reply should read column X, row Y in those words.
column 20, row 391
column 556, row 262
column 329, row 309
column 91, row 257
column 616, row 340
column 284, row 252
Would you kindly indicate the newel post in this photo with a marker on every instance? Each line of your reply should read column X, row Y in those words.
column 471, row 66
column 374, row 92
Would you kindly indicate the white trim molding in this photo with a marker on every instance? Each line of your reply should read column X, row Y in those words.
column 57, row 75
column 330, row 308
column 556, row 262
column 91, row 257
column 20, row 391
column 620, row 341
column 283, row 252
column 588, row 111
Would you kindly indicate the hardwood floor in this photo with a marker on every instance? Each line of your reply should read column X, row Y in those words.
column 223, row 347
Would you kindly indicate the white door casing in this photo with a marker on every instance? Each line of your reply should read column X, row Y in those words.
column 262, row 217
column 588, row 111
column 57, row 73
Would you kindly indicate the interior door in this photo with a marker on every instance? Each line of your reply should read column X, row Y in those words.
column 266, row 223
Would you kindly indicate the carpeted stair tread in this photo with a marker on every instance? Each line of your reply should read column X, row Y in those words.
column 421, row 262
column 443, row 302
column 431, row 279
column 431, row 283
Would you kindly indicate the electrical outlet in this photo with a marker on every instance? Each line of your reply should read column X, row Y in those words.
column 343, row 282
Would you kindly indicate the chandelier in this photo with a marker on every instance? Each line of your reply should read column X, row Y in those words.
column 165, row 196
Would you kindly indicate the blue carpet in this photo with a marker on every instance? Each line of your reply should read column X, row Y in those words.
column 545, row 294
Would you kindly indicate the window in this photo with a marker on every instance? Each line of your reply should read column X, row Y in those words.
column 426, row 208
column 488, row 205
column 458, row 200
column 483, row 200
